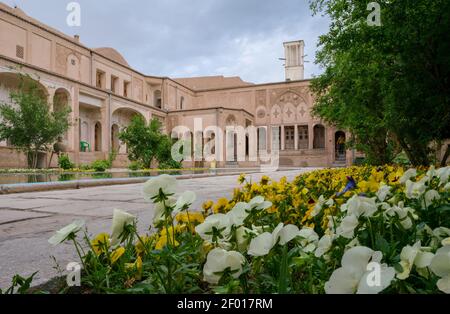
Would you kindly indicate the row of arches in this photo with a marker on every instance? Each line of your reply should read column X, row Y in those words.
column 59, row 99
column 231, row 141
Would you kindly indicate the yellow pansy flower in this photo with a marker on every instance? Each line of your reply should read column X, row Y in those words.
column 116, row 254
column 264, row 180
column 162, row 242
column 100, row 244
column 241, row 178
column 190, row 217
column 369, row 186
column 135, row 267
column 139, row 246
column 207, row 205
column 220, row 205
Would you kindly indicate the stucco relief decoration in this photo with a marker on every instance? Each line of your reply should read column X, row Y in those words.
column 276, row 115
column 261, row 113
column 231, row 120
column 292, row 107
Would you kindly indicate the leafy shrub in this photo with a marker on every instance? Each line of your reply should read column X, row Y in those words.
column 146, row 142
column 135, row 165
column 170, row 164
column 85, row 167
column 100, row 165
column 360, row 161
column 65, row 163
column 111, row 157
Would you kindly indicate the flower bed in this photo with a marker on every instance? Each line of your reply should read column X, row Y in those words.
column 354, row 230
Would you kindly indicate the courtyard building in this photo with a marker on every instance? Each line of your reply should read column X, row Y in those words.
column 105, row 93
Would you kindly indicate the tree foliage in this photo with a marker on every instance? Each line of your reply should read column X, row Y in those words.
column 390, row 83
column 146, row 143
column 29, row 124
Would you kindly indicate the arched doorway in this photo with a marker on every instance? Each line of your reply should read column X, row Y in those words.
column 319, row 137
column 262, row 139
column 115, row 145
column 61, row 102
column 98, row 137
column 158, row 100
column 339, row 144
column 121, row 119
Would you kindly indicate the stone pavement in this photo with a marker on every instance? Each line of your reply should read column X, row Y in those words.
column 28, row 220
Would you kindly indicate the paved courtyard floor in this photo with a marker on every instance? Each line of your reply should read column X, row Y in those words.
column 28, row 220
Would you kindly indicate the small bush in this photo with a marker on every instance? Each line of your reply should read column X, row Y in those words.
column 402, row 159
column 85, row 167
column 65, row 163
column 360, row 161
column 170, row 164
column 100, row 165
column 135, row 165
column 111, row 157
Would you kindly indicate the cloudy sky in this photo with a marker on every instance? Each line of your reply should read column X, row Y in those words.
column 184, row 38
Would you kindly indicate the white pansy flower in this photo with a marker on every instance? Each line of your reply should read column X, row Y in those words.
column 319, row 205
column 324, row 245
column 430, row 197
column 218, row 261
column 431, row 173
column 411, row 173
column 238, row 214
column 353, row 243
column 288, row 233
column 259, row 229
column 440, row 266
column 62, row 234
column 259, row 203
column 166, row 183
column 261, row 245
column 159, row 210
column 359, row 205
column 440, row 236
column 220, row 222
column 443, row 174
column 415, row 190
column 383, row 192
column 242, row 237
column 347, row 227
column 276, row 232
column 185, row 199
column 402, row 212
column 413, row 256
column 447, row 187
column 353, row 276
column 309, row 239
column 119, row 221
column 284, row 233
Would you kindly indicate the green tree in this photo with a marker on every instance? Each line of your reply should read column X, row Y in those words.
column 387, row 83
column 29, row 124
column 146, row 142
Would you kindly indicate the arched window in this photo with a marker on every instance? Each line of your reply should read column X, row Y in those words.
column 319, row 137
column 158, row 100
column 182, row 103
column 61, row 101
column 262, row 139
column 98, row 137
